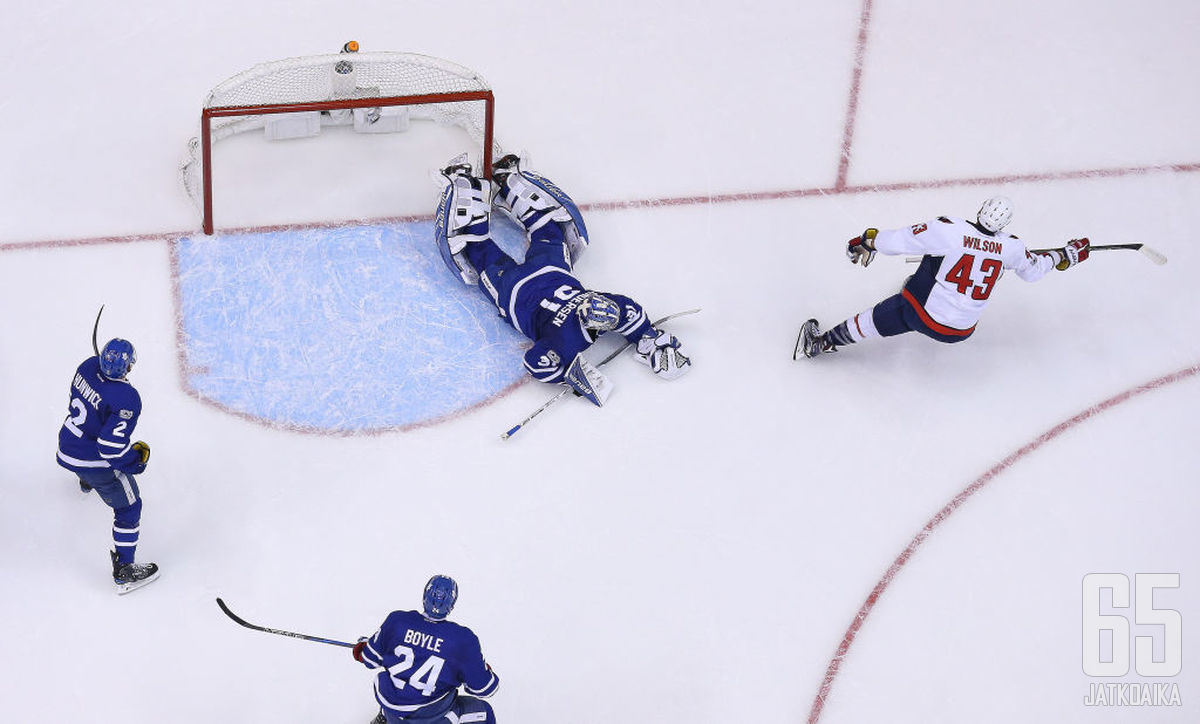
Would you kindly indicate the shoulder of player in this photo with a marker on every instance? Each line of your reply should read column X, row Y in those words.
column 455, row 636
column 121, row 394
column 418, row 619
column 89, row 368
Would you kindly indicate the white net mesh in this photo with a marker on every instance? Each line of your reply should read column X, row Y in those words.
column 341, row 76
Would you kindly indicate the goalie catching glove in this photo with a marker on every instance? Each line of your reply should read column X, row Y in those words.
column 660, row 350
column 1075, row 251
column 861, row 249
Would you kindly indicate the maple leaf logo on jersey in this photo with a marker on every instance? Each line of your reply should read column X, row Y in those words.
column 918, row 228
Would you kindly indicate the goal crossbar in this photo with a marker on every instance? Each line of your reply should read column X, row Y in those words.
column 332, row 85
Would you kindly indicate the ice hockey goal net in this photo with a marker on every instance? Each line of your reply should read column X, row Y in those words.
column 372, row 92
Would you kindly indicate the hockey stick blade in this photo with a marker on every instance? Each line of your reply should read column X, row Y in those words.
column 242, row 622
column 96, row 330
column 612, row 355
column 1153, row 255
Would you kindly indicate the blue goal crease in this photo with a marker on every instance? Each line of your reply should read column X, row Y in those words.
column 343, row 329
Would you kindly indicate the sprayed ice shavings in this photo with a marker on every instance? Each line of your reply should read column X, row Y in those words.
column 345, row 329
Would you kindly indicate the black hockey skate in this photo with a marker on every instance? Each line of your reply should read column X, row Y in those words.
column 84, row 487
column 379, row 719
column 132, row 576
column 811, row 342
column 457, row 166
column 508, row 163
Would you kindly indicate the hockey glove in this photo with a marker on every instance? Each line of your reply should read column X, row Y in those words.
column 143, row 450
column 660, row 350
column 861, row 249
column 358, row 649
column 1075, row 251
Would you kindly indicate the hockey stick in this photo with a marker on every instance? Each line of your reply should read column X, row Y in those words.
column 96, row 330
column 306, row 637
column 1150, row 253
column 516, row 428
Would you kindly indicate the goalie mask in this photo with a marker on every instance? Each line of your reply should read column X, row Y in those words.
column 598, row 313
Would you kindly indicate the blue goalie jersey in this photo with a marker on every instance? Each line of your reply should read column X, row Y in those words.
column 101, row 417
column 421, row 663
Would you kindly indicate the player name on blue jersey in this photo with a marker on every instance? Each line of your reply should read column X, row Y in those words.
column 424, row 640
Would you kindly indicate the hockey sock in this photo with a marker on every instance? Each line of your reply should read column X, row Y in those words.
column 857, row 328
column 838, row 336
column 125, row 531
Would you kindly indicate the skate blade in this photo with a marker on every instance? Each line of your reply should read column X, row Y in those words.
column 803, row 344
column 123, row 588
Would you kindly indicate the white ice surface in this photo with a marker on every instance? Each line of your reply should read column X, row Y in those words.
column 696, row 550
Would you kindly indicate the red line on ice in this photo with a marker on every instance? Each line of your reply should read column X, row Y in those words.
column 860, row 54
column 726, row 198
column 843, row 648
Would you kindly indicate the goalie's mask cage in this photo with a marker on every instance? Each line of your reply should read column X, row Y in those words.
column 376, row 92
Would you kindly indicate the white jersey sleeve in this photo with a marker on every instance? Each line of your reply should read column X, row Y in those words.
column 960, row 268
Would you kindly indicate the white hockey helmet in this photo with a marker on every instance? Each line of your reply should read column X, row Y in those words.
column 995, row 213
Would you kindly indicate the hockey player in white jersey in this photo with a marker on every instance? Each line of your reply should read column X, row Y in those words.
column 961, row 263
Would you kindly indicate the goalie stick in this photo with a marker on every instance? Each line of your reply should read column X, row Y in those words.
column 306, row 637
column 612, row 355
column 1149, row 252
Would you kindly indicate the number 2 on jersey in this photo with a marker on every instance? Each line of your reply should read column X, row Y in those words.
column 423, row 679
column 960, row 276
column 75, row 422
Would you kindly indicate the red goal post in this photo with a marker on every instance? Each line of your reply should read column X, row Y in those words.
column 376, row 92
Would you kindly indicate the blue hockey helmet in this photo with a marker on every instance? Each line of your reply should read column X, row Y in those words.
column 440, row 594
column 117, row 358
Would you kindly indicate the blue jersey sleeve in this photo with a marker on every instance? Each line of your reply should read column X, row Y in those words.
column 477, row 676
column 633, row 323
column 115, row 439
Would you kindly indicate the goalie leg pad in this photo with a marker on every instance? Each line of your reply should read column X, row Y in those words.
column 533, row 201
column 463, row 216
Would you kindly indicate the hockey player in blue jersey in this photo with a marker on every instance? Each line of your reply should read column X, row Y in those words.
column 540, row 295
column 95, row 443
column 421, row 660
